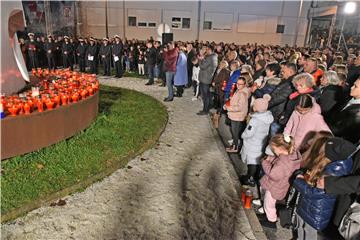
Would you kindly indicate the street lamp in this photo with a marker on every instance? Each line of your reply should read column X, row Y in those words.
column 350, row 8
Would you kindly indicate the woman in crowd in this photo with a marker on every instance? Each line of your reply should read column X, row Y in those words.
column 234, row 75
column 326, row 157
column 346, row 122
column 237, row 110
column 331, row 93
column 305, row 120
column 181, row 74
column 220, row 81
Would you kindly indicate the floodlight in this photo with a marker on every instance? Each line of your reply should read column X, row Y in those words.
column 350, row 7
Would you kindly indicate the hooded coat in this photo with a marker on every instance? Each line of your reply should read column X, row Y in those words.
column 315, row 206
column 181, row 75
column 255, row 137
column 278, row 171
column 300, row 125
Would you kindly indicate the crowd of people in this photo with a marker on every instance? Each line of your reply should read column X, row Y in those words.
column 293, row 112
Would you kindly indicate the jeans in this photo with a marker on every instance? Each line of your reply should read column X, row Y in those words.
column 150, row 72
column 156, row 71
column 237, row 127
column 206, row 96
column 169, row 84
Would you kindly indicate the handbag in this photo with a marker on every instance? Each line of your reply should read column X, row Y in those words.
column 350, row 224
column 287, row 213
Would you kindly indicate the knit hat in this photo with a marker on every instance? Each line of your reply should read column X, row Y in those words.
column 338, row 149
column 261, row 104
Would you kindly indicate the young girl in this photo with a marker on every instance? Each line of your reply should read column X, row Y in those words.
column 278, row 169
column 326, row 156
column 305, row 119
column 195, row 77
column 254, row 138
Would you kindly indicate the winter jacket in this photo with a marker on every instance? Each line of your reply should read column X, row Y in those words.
column 150, row 55
column 255, row 137
column 207, row 68
column 331, row 97
column 300, row 125
column 346, row 123
column 280, row 97
column 238, row 109
column 268, row 88
column 315, row 206
column 195, row 73
column 293, row 101
column 234, row 76
column 346, row 188
column 278, row 171
column 219, row 80
column 170, row 58
column 181, row 75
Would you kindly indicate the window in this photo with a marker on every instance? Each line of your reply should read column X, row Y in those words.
column 132, row 21
column 280, row 28
column 207, row 25
column 151, row 24
column 186, row 23
column 180, row 23
column 142, row 24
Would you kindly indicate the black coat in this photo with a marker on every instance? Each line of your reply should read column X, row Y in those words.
column 117, row 49
column 346, row 123
column 50, row 48
column 280, row 97
column 81, row 50
column 347, row 188
column 353, row 74
column 150, row 56
column 330, row 99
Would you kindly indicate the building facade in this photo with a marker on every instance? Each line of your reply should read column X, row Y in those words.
column 267, row 22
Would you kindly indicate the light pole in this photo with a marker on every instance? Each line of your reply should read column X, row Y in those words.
column 349, row 8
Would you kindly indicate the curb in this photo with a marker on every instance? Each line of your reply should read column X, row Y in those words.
column 250, row 213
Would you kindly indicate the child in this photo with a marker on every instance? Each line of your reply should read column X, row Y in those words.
column 326, row 156
column 278, row 170
column 195, row 77
column 141, row 62
column 305, row 120
column 254, row 138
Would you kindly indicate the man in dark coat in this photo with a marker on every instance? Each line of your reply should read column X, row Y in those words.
column 117, row 52
column 67, row 53
column 32, row 49
column 49, row 48
column 191, row 53
column 353, row 71
column 150, row 57
column 81, row 54
column 105, row 55
column 91, row 54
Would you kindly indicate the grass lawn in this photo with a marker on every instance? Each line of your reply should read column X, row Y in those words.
column 128, row 123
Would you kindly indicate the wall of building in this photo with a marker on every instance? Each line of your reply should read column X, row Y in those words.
column 235, row 21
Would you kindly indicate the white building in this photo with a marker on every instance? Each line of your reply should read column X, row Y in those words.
column 268, row 22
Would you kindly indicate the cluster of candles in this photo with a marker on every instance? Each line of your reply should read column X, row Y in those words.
column 246, row 198
column 56, row 88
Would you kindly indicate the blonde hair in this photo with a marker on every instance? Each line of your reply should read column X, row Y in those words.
column 282, row 141
column 226, row 64
column 307, row 78
column 248, row 78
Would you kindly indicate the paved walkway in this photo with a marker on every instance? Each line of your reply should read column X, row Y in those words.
column 184, row 188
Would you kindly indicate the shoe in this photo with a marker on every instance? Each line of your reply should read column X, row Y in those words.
column 260, row 211
column 249, row 182
column 149, row 83
column 256, row 202
column 194, row 99
column 232, row 149
column 201, row 113
column 266, row 223
column 168, row 99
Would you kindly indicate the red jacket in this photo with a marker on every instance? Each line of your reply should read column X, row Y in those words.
column 170, row 59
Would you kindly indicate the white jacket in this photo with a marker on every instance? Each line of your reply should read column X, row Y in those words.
column 195, row 73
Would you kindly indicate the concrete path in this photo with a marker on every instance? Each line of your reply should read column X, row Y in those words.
column 184, row 188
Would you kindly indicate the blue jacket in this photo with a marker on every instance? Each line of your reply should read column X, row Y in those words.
column 315, row 206
column 232, row 80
